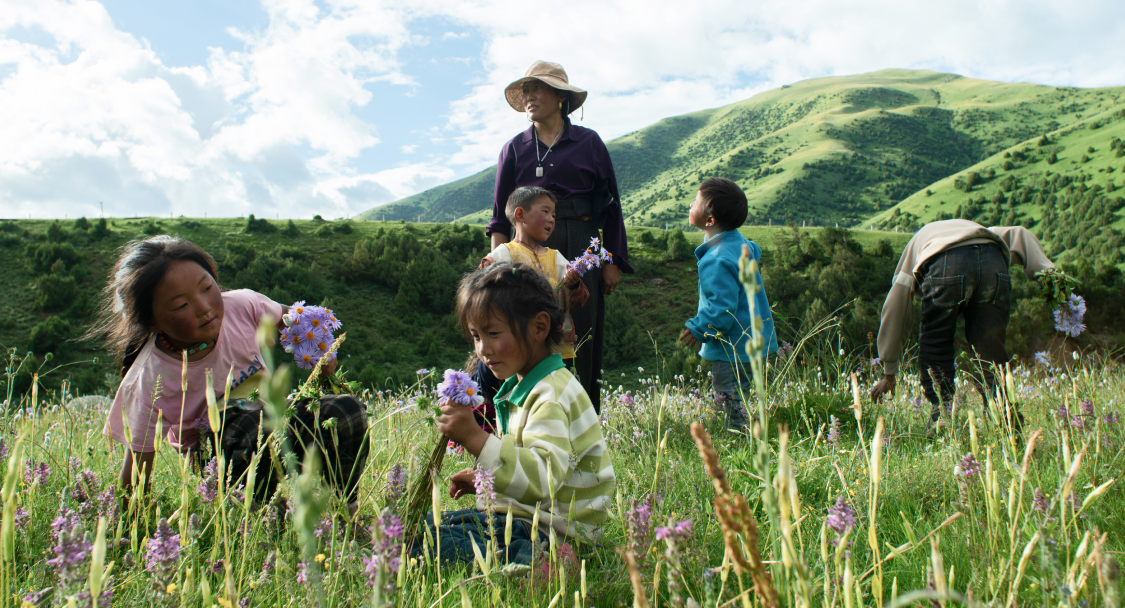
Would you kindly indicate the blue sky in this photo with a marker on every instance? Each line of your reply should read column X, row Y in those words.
column 297, row 107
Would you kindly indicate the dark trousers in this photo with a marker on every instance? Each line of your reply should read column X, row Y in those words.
column 460, row 530
column 970, row 281
column 340, row 441
column 571, row 237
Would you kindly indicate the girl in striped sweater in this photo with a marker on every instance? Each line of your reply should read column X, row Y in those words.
column 550, row 461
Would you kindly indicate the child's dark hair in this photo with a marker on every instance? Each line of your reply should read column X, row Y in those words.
column 523, row 197
column 514, row 291
column 724, row 201
column 125, row 313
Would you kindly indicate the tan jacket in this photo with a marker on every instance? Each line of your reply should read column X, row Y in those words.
column 1018, row 244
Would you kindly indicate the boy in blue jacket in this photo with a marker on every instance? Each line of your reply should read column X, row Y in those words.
column 722, row 321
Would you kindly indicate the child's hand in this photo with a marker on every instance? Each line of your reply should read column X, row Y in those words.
column 572, row 277
column 689, row 339
column 485, row 262
column 461, row 484
column 458, row 424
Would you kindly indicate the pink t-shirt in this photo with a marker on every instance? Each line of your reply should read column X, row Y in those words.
column 237, row 346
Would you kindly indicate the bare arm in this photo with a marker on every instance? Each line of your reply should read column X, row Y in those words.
column 498, row 239
column 143, row 459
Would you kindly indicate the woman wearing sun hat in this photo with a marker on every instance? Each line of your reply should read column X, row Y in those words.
column 573, row 163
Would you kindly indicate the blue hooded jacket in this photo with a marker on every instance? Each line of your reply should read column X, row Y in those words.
column 723, row 308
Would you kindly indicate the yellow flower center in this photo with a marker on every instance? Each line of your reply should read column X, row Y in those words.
column 322, row 346
column 306, row 358
column 316, row 322
column 469, row 391
column 300, row 310
column 296, row 339
column 310, row 336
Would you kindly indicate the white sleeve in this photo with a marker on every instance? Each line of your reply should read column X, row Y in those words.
column 501, row 253
column 560, row 264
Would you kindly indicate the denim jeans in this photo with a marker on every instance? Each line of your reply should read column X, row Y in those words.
column 461, row 529
column 728, row 379
column 970, row 281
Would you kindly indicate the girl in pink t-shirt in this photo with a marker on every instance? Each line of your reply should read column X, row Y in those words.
column 163, row 299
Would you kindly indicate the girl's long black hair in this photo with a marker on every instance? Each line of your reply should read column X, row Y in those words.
column 125, row 318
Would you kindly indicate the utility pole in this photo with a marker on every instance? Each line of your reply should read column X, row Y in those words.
column 102, row 205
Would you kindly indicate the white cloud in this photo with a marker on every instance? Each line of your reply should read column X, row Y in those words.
column 91, row 114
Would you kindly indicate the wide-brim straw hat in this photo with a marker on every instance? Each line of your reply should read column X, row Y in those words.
column 551, row 74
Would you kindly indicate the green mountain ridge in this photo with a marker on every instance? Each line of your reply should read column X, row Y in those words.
column 1063, row 185
column 828, row 150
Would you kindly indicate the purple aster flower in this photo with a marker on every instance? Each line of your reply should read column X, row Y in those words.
column 423, row 372
column 876, row 361
column 841, row 517
column 627, row 399
column 968, row 467
column 36, row 474
column 308, row 334
column 593, row 257
column 396, row 482
column 483, row 481
column 459, row 388
column 1068, row 318
column 833, row 429
column 209, row 488
column 1077, row 422
column 1039, row 501
column 1042, row 358
column 162, row 552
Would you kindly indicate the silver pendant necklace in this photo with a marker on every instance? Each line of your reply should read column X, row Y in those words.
column 535, row 132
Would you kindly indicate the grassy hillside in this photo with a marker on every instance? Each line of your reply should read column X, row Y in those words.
column 822, row 151
column 1065, row 185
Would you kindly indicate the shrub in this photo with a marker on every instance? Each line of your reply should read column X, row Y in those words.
column 42, row 257
column 49, row 335
column 259, row 226
column 645, row 238
column 1052, row 159
column 55, row 292
column 342, row 228
column 55, row 233
column 100, row 229
column 290, row 230
column 190, row 224
column 81, row 224
column 151, row 229
column 678, row 247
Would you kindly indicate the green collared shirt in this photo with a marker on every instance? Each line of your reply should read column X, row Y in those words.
column 514, row 390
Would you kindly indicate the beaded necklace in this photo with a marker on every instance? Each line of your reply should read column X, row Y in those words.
column 168, row 345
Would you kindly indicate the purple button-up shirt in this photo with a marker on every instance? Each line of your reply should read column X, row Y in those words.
column 573, row 168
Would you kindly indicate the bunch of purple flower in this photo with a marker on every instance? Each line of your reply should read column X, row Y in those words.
column 1068, row 318
column 308, row 333
column 386, row 551
column 459, row 388
column 841, row 518
column 968, row 467
column 593, row 257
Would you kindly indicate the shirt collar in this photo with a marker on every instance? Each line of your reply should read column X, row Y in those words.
column 530, row 133
column 708, row 243
column 514, row 391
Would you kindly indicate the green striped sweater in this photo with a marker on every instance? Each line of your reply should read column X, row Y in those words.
column 552, row 443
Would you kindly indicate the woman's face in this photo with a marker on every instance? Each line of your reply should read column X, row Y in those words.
column 187, row 305
column 540, row 101
column 537, row 222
